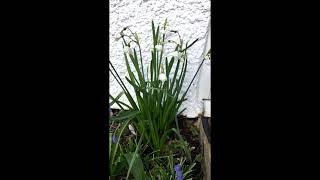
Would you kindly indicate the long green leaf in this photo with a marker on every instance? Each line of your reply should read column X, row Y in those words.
column 153, row 35
column 119, row 103
column 118, row 143
column 137, row 88
column 136, row 66
column 116, row 98
column 132, row 160
column 157, row 35
column 190, row 45
column 138, row 172
column 124, row 116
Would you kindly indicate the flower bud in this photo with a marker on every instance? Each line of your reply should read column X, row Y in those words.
column 158, row 47
column 162, row 77
column 127, row 49
column 176, row 54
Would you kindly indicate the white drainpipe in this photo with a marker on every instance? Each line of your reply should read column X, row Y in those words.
column 205, row 78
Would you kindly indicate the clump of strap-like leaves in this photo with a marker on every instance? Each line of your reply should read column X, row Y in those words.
column 157, row 88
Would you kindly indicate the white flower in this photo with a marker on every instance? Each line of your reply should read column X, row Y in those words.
column 132, row 129
column 165, row 31
column 127, row 49
column 162, row 77
column 176, row 54
column 118, row 37
column 158, row 47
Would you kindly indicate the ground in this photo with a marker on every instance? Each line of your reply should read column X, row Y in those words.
column 189, row 129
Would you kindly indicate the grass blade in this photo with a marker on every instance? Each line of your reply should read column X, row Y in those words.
column 116, row 98
column 124, row 116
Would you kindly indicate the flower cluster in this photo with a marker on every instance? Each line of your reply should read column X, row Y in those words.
column 179, row 172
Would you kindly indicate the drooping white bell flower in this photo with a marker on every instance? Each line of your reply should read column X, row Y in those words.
column 132, row 129
column 118, row 37
column 158, row 47
column 162, row 77
column 165, row 31
column 127, row 49
column 177, row 55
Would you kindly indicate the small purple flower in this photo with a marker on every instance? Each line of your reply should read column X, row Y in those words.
column 177, row 167
column 115, row 139
column 179, row 172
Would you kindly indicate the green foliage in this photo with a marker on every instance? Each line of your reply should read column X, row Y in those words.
column 158, row 95
column 194, row 130
column 116, row 160
column 135, row 161
column 163, row 167
column 152, row 111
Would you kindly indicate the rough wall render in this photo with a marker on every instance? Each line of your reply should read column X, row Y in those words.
column 189, row 17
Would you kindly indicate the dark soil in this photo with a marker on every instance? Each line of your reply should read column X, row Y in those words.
column 188, row 131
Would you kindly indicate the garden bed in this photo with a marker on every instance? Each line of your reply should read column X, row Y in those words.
column 189, row 130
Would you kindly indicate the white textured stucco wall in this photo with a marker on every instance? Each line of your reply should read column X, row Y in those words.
column 189, row 17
